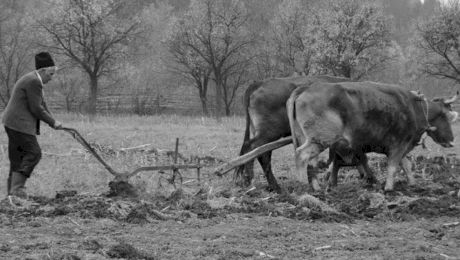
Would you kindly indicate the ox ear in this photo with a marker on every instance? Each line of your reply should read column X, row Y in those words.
column 452, row 116
column 451, row 100
column 431, row 129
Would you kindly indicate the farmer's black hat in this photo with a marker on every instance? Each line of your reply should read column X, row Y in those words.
column 43, row 60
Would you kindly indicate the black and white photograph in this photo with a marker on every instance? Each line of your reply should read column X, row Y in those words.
column 229, row 129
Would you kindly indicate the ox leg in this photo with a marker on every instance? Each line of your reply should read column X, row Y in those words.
column 304, row 154
column 393, row 163
column 327, row 176
column 406, row 165
column 361, row 171
column 389, row 184
column 365, row 171
column 332, row 174
column 245, row 173
column 265, row 162
column 245, row 147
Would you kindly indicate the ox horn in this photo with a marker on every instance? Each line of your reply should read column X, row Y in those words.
column 451, row 100
column 418, row 94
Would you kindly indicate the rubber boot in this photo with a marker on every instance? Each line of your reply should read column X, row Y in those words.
column 8, row 184
column 18, row 182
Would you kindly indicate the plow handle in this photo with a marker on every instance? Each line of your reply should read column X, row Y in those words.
column 77, row 136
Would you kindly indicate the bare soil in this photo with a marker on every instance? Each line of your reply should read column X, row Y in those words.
column 205, row 222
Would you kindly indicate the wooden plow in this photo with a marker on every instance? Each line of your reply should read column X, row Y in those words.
column 124, row 176
column 175, row 167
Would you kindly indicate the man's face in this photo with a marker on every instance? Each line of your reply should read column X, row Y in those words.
column 48, row 74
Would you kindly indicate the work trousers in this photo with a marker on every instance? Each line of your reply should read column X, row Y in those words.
column 23, row 151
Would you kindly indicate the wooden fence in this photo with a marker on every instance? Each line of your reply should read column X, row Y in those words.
column 139, row 104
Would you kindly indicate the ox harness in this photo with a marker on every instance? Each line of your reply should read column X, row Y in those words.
column 425, row 113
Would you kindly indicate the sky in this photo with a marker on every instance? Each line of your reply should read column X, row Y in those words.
column 442, row 1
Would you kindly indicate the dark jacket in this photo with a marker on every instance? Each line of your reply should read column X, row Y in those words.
column 27, row 107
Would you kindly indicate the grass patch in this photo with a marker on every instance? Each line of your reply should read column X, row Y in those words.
column 66, row 166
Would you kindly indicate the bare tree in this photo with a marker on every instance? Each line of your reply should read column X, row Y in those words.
column 91, row 35
column 15, row 49
column 216, row 32
column 237, row 74
column 288, row 27
column 188, row 64
column 438, row 43
column 149, row 75
column 69, row 86
column 349, row 38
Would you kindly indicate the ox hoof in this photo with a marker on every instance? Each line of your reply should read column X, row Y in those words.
column 331, row 185
column 329, row 188
column 315, row 185
column 411, row 182
column 371, row 180
column 276, row 189
column 332, row 182
column 389, row 187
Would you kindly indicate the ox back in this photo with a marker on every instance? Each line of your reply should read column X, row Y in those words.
column 267, row 121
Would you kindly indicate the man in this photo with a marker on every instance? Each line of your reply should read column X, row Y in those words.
column 21, row 118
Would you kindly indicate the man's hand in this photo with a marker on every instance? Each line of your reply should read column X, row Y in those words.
column 57, row 125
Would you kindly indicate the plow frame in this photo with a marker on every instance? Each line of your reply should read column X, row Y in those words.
column 175, row 167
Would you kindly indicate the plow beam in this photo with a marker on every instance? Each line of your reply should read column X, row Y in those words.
column 221, row 170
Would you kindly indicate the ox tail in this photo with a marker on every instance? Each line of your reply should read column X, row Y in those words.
column 246, row 100
column 290, row 106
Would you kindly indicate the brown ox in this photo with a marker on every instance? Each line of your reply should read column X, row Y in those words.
column 267, row 120
column 371, row 117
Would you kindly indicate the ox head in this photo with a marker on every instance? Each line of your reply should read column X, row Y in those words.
column 440, row 117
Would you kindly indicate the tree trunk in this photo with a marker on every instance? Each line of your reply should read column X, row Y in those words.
column 346, row 72
column 157, row 103
column 92, row 95
column 219, row 98
column 204, row 101
column 8, row 89
column 227, row 110
column 204, row 106
column 68, row 103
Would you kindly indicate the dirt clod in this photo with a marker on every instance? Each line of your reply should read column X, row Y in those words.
column 65, row 193
column 90, row 245
column 5, row 248
column 121, row 189
column 64, row 256
column 428, row 208
column 127, row 251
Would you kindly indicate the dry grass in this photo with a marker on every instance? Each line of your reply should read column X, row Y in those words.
column 65, row 166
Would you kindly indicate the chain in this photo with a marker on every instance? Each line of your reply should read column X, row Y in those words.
column 425, row 113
